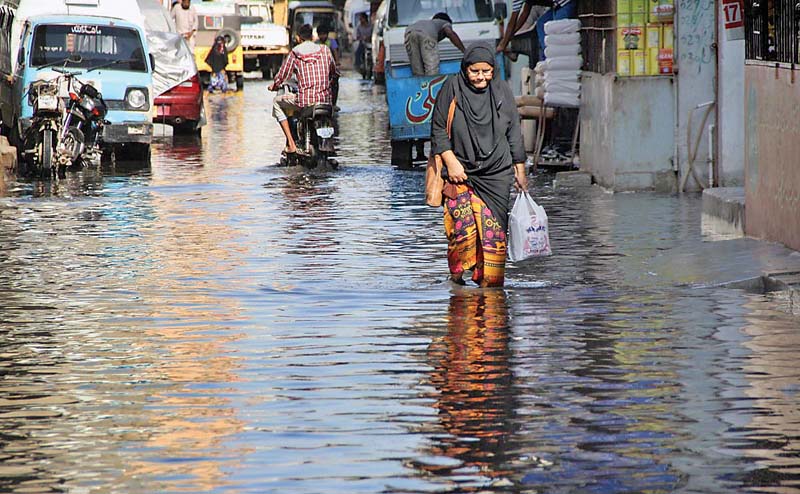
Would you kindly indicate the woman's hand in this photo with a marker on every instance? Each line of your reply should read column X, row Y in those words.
column 455, row 170
column 520, row 177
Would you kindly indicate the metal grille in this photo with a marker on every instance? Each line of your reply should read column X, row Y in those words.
column 772, row 29
column 598, row 19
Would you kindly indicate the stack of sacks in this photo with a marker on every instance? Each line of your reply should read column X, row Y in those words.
column 562, row 67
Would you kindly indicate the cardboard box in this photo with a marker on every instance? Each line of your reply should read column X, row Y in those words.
column 665, row 61
column 652, row 11
column 653, row 36
column 623, row 63
column 667, row 36
column 638, row 62
column 638, row 20
column 623, row 7
column 639, row 6
column 652, row 61
column 623, row 20
column 630, row 38
column 666, row 10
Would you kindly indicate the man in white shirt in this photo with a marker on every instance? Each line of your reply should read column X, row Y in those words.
column 185, row 17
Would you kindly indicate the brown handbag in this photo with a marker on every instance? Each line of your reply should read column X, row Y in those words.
column 434, row 183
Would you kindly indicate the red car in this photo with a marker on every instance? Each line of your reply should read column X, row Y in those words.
column 175, row 80
column 181, row 107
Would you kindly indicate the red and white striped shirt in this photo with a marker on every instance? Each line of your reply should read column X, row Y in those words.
column 314, row 67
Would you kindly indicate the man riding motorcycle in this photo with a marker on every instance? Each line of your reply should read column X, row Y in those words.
column 314, row 68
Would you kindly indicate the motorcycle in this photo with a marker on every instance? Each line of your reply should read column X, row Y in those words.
column 63, row 134
column 39, row 141
column 313, row 131
column 82, row 127
column 365, row 67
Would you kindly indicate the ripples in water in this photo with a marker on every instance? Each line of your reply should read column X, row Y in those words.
column 212, row 323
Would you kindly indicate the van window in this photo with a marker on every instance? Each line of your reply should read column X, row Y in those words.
column 97, row 45
column 405, row 12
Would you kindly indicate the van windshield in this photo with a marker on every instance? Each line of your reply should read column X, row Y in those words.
column 405, row 12
column 96, row 45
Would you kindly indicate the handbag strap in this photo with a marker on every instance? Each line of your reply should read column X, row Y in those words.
column 450, row 113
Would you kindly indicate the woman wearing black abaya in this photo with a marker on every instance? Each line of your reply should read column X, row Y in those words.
column 483, row 155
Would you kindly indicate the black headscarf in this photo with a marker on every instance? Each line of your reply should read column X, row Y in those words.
column 217, row 57
column 479, row 105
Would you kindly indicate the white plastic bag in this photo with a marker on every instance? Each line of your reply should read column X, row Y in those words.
column 562, row 100
column 527, row 229
column 563, row 26
column 563, row 63
column 562, row 39
column 552, row 51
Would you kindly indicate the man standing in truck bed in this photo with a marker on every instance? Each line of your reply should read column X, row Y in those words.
column 422, row 43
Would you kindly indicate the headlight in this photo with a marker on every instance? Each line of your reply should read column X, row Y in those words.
column 136, row 99
column 87, row 103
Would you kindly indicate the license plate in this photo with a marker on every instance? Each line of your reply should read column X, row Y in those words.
column 135, row 130
column 47, row 102
column 325, row 132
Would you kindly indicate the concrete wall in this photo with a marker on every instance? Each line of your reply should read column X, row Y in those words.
column 730, row 131
column 627, row 130
column 772, row 155
column 696, row 61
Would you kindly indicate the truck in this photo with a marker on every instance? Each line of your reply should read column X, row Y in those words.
column 411, row 98
column 264, row 41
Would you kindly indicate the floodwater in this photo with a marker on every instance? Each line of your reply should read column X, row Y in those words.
column 212, row 323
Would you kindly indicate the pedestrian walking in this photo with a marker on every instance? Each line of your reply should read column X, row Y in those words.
column 422, row 43
column 483, row 155
column 185, row 17
column 217, row 59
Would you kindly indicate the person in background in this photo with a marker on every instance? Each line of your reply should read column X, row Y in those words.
column 363, row 36
column 314, row 69
column 185, row 17
column 483, row 154
column 524, row 13
column 217, row 59
column 422, row 43
column 323, row 38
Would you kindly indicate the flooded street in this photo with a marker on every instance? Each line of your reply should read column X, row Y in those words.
column 212, row 323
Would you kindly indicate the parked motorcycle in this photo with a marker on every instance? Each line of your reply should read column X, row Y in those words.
column 39, row 141
column 63, row 134
column 82, row 128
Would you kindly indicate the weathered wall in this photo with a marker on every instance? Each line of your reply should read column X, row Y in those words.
column 696, row 64
column 627, row 129
column 730, row 134
column 772, row 155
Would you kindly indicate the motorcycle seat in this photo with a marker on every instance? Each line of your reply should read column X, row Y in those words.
column 319, row 109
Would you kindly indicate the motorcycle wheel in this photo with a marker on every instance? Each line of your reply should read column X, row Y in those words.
column 46, row 154
column 73, row 144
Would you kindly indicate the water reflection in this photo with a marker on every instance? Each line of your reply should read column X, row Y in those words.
column 475, row 395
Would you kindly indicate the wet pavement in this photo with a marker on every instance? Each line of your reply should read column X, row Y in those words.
column 211, row 323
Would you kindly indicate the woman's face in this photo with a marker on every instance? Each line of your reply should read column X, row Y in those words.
column 480, row 74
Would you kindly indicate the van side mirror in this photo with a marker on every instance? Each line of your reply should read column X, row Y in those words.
column 152, row 61
column 500, row 11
